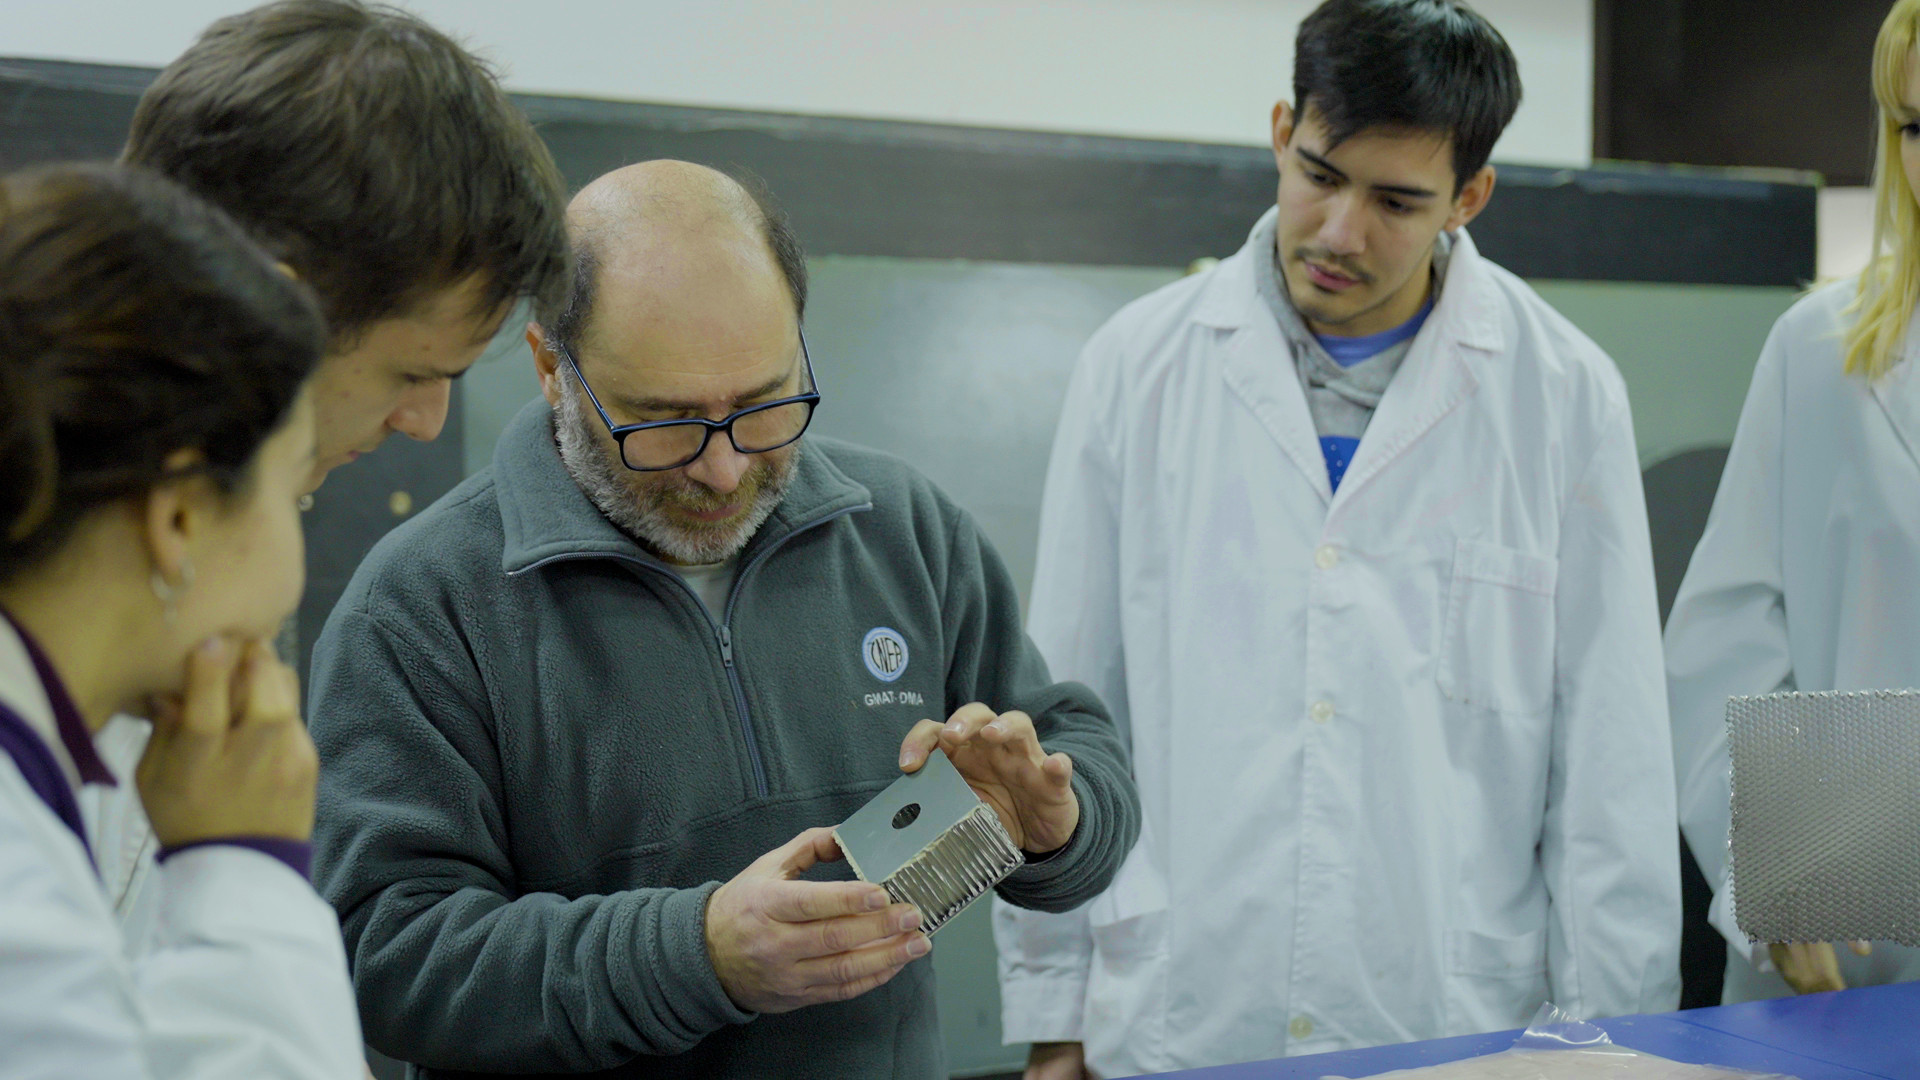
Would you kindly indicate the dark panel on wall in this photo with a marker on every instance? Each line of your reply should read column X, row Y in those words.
column 911, row 190
column 1635, row 224
column 1772, row 83
column 859, row 187
column 52, row 111
column 923, row 191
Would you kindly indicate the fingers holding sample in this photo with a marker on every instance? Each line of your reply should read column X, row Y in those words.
column 1808, row 967
column 779, row 944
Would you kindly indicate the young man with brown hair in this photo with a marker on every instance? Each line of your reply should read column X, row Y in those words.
column 381, row 163
column 385, row 165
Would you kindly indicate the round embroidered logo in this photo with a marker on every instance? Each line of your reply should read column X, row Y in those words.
column 885, row 652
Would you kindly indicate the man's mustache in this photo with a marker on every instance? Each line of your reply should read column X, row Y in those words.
column 686, row 493
column 1333, row 262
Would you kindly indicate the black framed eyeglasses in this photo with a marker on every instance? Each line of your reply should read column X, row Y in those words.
column 658, row 445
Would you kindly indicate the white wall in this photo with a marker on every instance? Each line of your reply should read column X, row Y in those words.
column 1846, row 231
column 1205, row 70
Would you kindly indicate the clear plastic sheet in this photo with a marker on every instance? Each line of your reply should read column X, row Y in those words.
column 1557, row 1046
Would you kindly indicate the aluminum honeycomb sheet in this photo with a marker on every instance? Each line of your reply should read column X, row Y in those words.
column 930, row 842
column 1825, row 843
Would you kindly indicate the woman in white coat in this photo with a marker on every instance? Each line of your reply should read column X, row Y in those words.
column 1808, row 571
column 155, row 435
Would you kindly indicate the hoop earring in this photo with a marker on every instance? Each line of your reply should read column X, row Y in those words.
column 169, row 594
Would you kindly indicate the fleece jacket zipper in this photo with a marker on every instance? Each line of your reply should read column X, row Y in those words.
column 724, row 630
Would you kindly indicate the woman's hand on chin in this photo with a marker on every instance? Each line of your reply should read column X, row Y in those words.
column 229, row 756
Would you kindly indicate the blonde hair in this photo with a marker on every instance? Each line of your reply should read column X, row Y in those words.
column 1889, row 289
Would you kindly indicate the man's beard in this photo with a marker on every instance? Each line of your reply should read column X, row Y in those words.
column 644, row 511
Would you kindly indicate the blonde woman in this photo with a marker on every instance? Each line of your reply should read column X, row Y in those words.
column 1808, row 572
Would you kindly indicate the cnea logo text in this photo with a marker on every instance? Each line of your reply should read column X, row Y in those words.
column 885, row 652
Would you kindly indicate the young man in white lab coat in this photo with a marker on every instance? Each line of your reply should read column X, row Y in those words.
column 1349, row 530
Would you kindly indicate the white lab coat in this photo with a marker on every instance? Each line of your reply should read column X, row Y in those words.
column 124, row 847
column 1402, row 751
column 245, row 975
column 1807, row 578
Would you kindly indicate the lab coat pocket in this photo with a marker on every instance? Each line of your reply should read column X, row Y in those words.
column 1494, row 982
column 1496, row 648
column 1126, row 1018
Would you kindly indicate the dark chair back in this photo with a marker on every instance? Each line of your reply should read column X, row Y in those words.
column 1680, row 492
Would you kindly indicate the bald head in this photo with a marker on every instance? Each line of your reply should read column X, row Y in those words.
column 686, row 305
column 659, row 237
column 654, row 200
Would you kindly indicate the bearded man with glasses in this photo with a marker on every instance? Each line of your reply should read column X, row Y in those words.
column 714, row 523
column 586, row 723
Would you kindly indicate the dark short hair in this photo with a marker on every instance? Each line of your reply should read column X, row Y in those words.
column 368, row 150
column 1417, row 65
column 135, row 321
column 564, row 320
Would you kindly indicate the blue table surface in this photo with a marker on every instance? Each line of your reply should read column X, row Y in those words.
column 1867, row 1034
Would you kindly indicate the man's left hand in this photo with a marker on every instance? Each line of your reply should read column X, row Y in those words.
column 1000, row 757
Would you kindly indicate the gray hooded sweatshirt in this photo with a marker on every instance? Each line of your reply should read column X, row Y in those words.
column 541, row 754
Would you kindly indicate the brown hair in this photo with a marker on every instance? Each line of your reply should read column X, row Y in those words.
column 368, row 150
column 135, row 321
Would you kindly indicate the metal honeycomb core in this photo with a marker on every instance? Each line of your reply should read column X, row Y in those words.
column 930, row 842
column 1825, row 842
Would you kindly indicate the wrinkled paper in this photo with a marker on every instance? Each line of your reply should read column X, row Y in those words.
column 1559, row 1046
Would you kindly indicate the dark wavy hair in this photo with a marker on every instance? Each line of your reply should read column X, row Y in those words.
column 135, row 321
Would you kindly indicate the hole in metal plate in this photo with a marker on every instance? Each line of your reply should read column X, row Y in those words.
column 905, row 816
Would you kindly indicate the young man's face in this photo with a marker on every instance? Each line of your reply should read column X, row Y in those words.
column 396, row 376
column 1358, row 221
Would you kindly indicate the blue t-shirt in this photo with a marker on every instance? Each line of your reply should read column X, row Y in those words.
column 1347, row 352
column 1339, row 451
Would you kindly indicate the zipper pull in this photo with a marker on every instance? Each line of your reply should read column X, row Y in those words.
column 726, row 645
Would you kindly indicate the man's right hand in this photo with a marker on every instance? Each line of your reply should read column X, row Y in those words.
column 1813, row 968
column 1057, row 1061
column 779, row 944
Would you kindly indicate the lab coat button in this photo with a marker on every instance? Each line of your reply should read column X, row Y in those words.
column 1321, row 712
column 1300, row 1028
column 1327, row 557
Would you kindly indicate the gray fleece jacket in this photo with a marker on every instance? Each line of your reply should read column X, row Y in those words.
column 540, row 755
